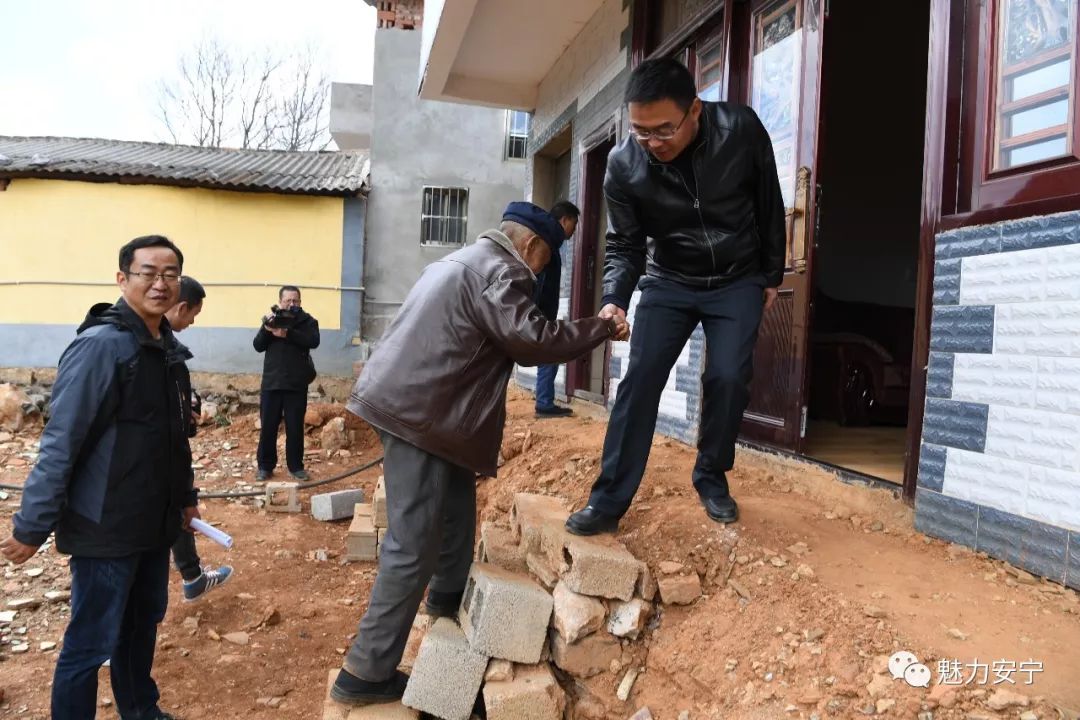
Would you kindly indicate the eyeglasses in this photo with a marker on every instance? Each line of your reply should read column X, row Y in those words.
column 659, row 134
column 151, row 277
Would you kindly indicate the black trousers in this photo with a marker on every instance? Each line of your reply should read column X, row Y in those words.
column 665, row 317
column 186, row 556
column 275, row 405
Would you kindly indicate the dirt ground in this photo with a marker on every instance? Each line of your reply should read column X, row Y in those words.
column 827, row 581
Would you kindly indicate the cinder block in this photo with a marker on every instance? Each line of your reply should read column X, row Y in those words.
column 497, row 546
column 282, row 497
column 378, row 502
column 447, row 674
column 532, row 517
column 336, row 505
column 589, row 656
column 627, row 619
column 540, row 566
column 362, row 542
column 599, row 566
column 533, row 694
column 575, row 616
column 381, row 534
column 505, row 615
column 333, row 710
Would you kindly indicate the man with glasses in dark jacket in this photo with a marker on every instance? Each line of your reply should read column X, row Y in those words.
column 113, row 479
column 696, row 215
column 287, row 336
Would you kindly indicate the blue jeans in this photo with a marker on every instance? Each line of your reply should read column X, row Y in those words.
column 116, row 605
column 666, row 316
column 545, row 386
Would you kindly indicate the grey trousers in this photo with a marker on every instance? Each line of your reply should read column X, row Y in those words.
column 431, row 510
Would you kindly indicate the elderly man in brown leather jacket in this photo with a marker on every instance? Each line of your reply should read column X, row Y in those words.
column 435, row 389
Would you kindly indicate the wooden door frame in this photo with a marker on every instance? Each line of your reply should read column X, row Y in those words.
column 590, row 184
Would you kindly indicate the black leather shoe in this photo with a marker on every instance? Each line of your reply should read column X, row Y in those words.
column 721, row 509
column 555, row 411
column 443, row 604
column 591, row 521
column 351, row 690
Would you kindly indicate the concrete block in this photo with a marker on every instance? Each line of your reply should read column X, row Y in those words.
column 363, row 508
column 447, row 674
column 627, row 619
column 497, row 546
column 533, row 694
column 646, row 585
column 589, row 656
column 378, row 502
column 575, row 616
column 362, row 542
column 505, row 615
column 540, row 566
column 532, row 517
column 499, row 671
column 600, row 566
column 336, row 505
column 680, row 589
column 282, row 497
column 333, row 710
column 381, row 534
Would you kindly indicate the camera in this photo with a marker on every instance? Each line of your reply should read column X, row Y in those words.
column 281, row 318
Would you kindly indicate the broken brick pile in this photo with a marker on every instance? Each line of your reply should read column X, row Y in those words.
column 541, row 608
column 368, row 527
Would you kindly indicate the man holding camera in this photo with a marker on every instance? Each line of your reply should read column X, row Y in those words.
column 287, row 336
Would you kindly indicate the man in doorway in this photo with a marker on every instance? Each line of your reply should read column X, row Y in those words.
column 113, row 479
column 699, row 180
column 435, row 389
column 198, row 580
column 547, row 299
column 287, row 336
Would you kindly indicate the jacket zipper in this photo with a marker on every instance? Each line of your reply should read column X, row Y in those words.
column 697, row 203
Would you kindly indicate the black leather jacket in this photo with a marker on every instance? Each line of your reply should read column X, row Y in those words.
column 733, row 228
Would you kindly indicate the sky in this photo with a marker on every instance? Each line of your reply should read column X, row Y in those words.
column 91, row 68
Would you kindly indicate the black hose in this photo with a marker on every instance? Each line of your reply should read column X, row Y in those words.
column 257, row 493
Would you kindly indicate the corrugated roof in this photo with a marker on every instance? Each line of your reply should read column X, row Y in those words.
column 307, row 173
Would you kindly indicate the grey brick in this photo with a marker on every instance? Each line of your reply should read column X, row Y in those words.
column 955, row 424
column 1037, row 547
column 947, row 282
column 939, row 376
column 505, row 615
column 336, row 505
column 967, row 242
column 944, row 517
column 932, row 467
column 600, row 566
column 963, row 328
column 1072, row 571
column 1040, row 232
column 447, row 674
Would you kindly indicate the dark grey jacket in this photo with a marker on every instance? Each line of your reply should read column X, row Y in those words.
column 114, row 469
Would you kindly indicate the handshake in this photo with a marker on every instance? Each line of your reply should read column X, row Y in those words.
column 616, row 313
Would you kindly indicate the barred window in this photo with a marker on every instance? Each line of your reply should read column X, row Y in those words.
column 517, row 134
column 444, row 213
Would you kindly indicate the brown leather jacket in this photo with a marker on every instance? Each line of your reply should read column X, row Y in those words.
column 439, row 374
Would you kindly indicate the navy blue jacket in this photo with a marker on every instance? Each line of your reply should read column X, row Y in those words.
column 114, row 471
column 547, row 288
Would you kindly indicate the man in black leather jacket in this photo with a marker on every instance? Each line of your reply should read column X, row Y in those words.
column 698, row 179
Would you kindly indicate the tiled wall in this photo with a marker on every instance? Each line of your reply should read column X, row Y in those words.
column 1000, row 463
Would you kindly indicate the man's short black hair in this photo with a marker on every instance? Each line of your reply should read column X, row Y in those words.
column 565, row 208
column 127, row 253
column 661, row 79
column 287, row 288
column 191, row 291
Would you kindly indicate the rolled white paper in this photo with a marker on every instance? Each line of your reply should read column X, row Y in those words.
column 218, row 536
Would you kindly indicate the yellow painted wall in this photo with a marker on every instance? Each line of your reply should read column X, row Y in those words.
column 68, row 231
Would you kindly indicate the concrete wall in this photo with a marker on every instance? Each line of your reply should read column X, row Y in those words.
column 61, row 238
column 416, row 143
column 351, row 119
column 999, row 468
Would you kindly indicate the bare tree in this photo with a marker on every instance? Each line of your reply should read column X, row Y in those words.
column 220, row 98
